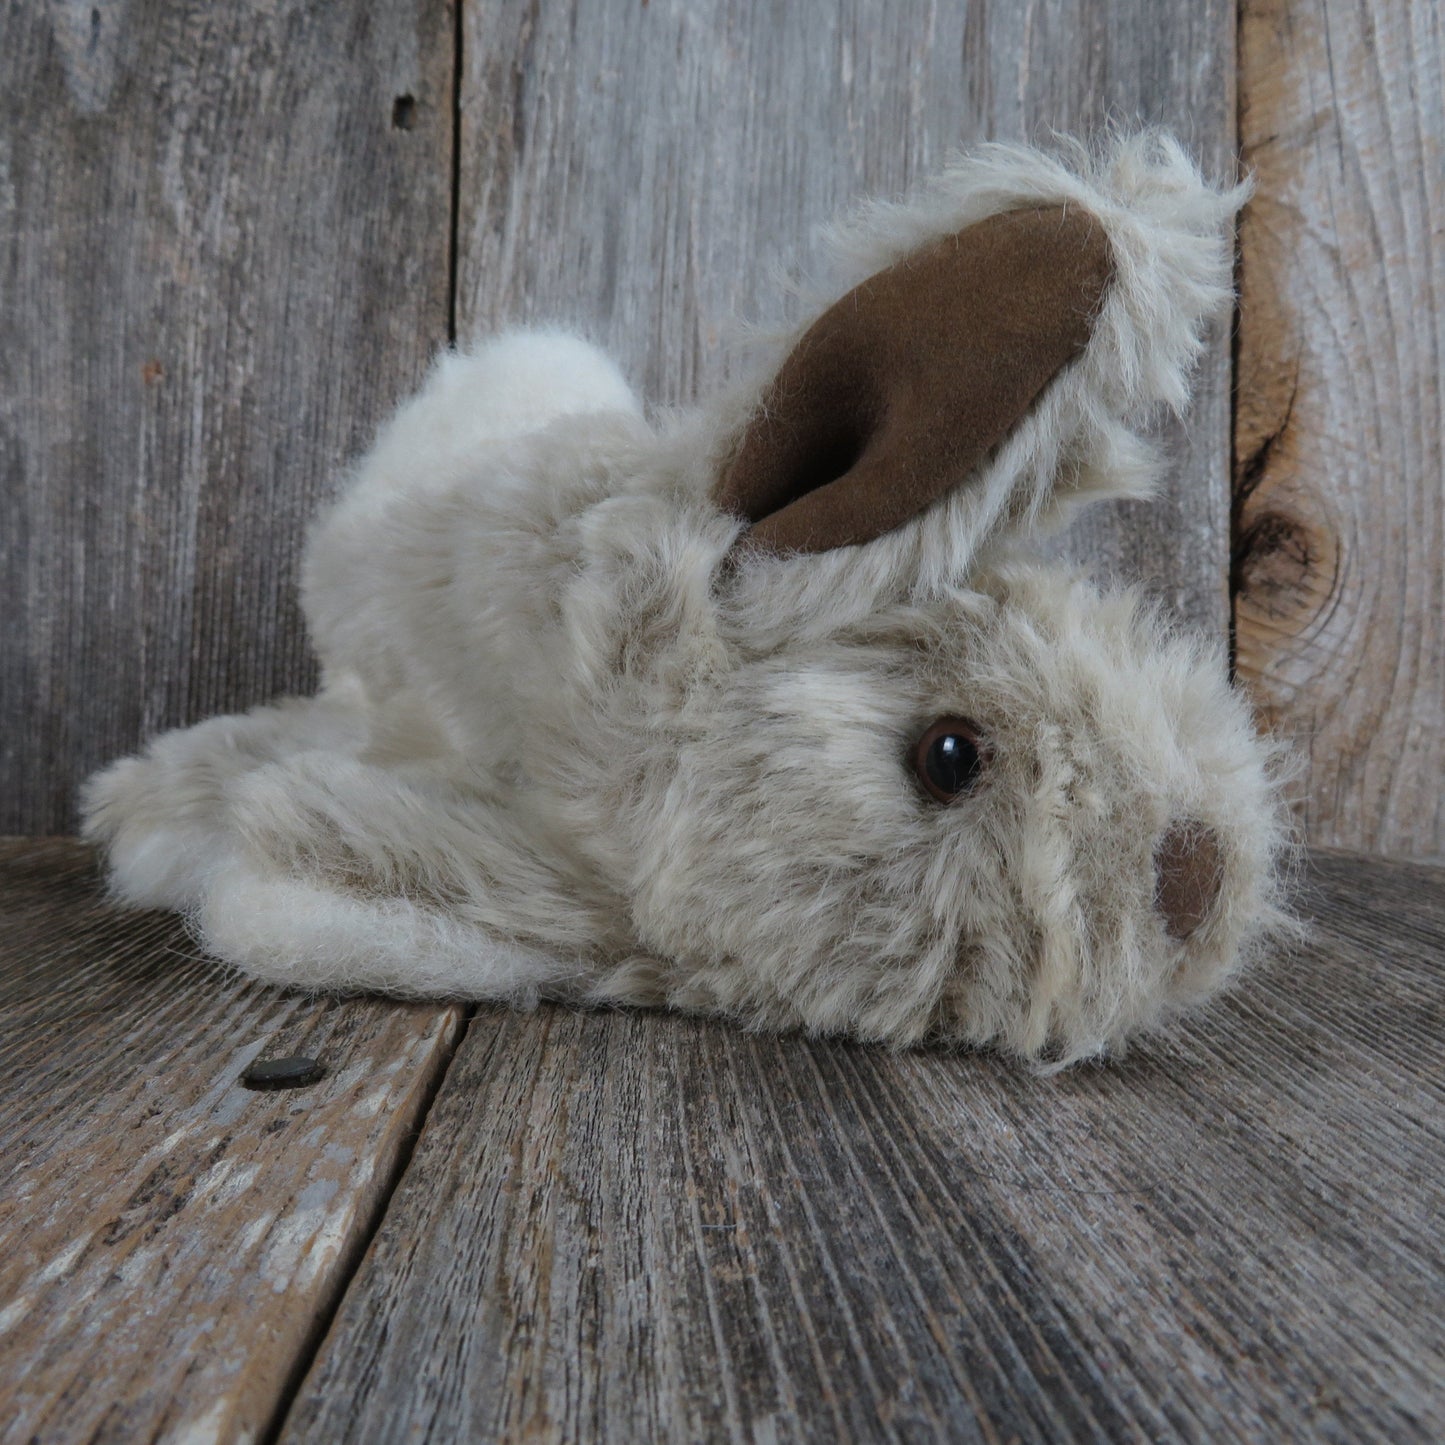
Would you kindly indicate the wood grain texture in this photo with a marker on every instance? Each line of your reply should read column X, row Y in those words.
column 223, row 252
column 629, row 1227
column 171, row 1242
column 1340, row 560
column 648, row 172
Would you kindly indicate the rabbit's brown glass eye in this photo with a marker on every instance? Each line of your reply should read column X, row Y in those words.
column 949, row 758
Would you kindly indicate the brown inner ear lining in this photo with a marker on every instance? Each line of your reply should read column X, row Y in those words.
column 902, row 387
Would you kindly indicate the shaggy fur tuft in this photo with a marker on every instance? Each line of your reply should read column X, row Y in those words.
column 572, row 744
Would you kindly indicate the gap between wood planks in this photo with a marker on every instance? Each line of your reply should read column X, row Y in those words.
column 1236, row 468
column 1234, row 553
column 454, row 228
column 346, row 1270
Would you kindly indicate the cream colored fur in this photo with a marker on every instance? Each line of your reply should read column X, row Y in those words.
column 561, row 750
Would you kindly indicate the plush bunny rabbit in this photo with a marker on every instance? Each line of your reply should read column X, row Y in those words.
column 763, row 711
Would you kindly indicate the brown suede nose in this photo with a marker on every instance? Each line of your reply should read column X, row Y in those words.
column 1188, row 869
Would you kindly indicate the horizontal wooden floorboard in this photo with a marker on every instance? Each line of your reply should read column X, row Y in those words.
column 171, row 1243
column 631, row 1226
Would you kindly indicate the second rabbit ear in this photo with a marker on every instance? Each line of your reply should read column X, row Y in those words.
column 898, row 391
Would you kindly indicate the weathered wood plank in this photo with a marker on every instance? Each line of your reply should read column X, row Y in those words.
column 223, row 251
column 171, row 1242
column 630, row 1227
column 647, row 171
column 1340, row 465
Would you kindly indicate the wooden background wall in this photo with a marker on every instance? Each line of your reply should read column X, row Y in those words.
column 231, row 236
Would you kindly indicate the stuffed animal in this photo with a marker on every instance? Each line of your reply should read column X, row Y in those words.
column 764, row 709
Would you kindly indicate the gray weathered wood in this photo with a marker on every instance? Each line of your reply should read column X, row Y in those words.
column 631, row 1227
column 220, row 259
column 170, row 1242
column 1340, row 612
column 646, row 171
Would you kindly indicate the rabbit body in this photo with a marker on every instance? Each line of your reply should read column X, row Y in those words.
column 577, row 738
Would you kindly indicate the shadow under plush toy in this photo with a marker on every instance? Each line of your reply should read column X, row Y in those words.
column 762, row 711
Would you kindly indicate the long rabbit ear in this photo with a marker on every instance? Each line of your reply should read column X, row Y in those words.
column 897, row 392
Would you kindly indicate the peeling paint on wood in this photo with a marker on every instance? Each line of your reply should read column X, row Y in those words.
column 169, row 1239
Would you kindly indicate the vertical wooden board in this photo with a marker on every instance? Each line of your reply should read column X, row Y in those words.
column 641, row 1227
column 1340, row 466
column 649, row 172
column 172, row 1243
column 223, row 251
